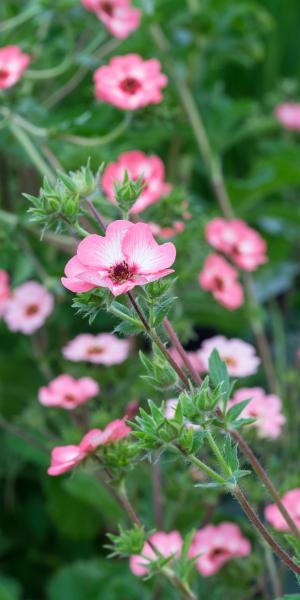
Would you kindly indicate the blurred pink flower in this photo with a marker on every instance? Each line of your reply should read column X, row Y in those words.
column 220, row 278
column 12, row 64
column 126, row 256
column 291, row 501
column 129, row 82
column 239, row 356
column 216, row 545
column 265, row 408
column 105, row 348
column 239, row 241
column 168, row 544
column 288, row 113
column 137, row 164
column 4, row 290
column 66, row 392
column 28, row 307
column 64, row 458
column 118, row 16
column 167, row 232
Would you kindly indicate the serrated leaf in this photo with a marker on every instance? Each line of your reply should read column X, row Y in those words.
column 234, row 411
column 218, row 374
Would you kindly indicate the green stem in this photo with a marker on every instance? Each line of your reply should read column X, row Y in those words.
column 51, row 72
column 218, row 454
column 31, row 151
column 206, row 469
column 19, row 19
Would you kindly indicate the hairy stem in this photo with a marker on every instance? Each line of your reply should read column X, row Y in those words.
column 181, row 351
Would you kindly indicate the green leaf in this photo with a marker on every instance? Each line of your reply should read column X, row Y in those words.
column 218, row 374
column 234, row 412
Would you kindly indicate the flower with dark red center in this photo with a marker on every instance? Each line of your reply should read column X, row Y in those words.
column 12, row 64
column 239, row 356
column 126, row 256
column 137, row 164
column 220, row 278
column 104, row 348
column 66, row 392
column 28, row 307
column 118, row 16
column 129, row 82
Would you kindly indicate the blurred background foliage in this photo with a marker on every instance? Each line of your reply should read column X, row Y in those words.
column 240, row 58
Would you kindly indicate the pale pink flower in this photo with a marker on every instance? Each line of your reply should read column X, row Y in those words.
column 265, row 408
column 126, row 256
column 239, row 241
column 291, row 502
column 137, row 164
column 118, row 16
column 220, row 278
column 240, row 357
column 168, row 544
column 129, row 82
column 105, row 348
column 28, row 307
column 216, row 545
column 66, row 392
column 64, row 458
column 288, row 113
column 12, row 64
column 4, row 290
column 167, row 232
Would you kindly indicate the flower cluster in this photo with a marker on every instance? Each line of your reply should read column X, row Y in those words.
column 65, row 458
column 212, row 546
column 13, row 63
column 129, row 82
column 118, row 16
column 67, row 392
column 242, row 244
column 125, row 257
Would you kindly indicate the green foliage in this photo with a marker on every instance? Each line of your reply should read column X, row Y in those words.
column 127, row 542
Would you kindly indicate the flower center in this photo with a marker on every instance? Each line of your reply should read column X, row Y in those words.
column 108, row 8
column 230, row 361
column 70, row 398
column 32, row 309
column 219, row 283
column 3, row 74
column 216, row 552
column 130, row 85
column 120, row 273
column 95, row 350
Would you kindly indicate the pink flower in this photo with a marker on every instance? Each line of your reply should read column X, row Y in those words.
column 168, row 544
column 125, row 257
column 167, row 232
column 220, row 278
column 28, row 307
column 239, row 241
column 4, row 290
column 239, row 356
column 105, row 348
column 291, row 501
column 129, row 82
column 12, row 64
column 216, row 545
column 288, row 113
column 117, row 15
column 67, row 392
column 265, row 408
column 137, row 164
column 64, row 458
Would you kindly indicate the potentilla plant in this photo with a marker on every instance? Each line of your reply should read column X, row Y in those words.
column 120, row 268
